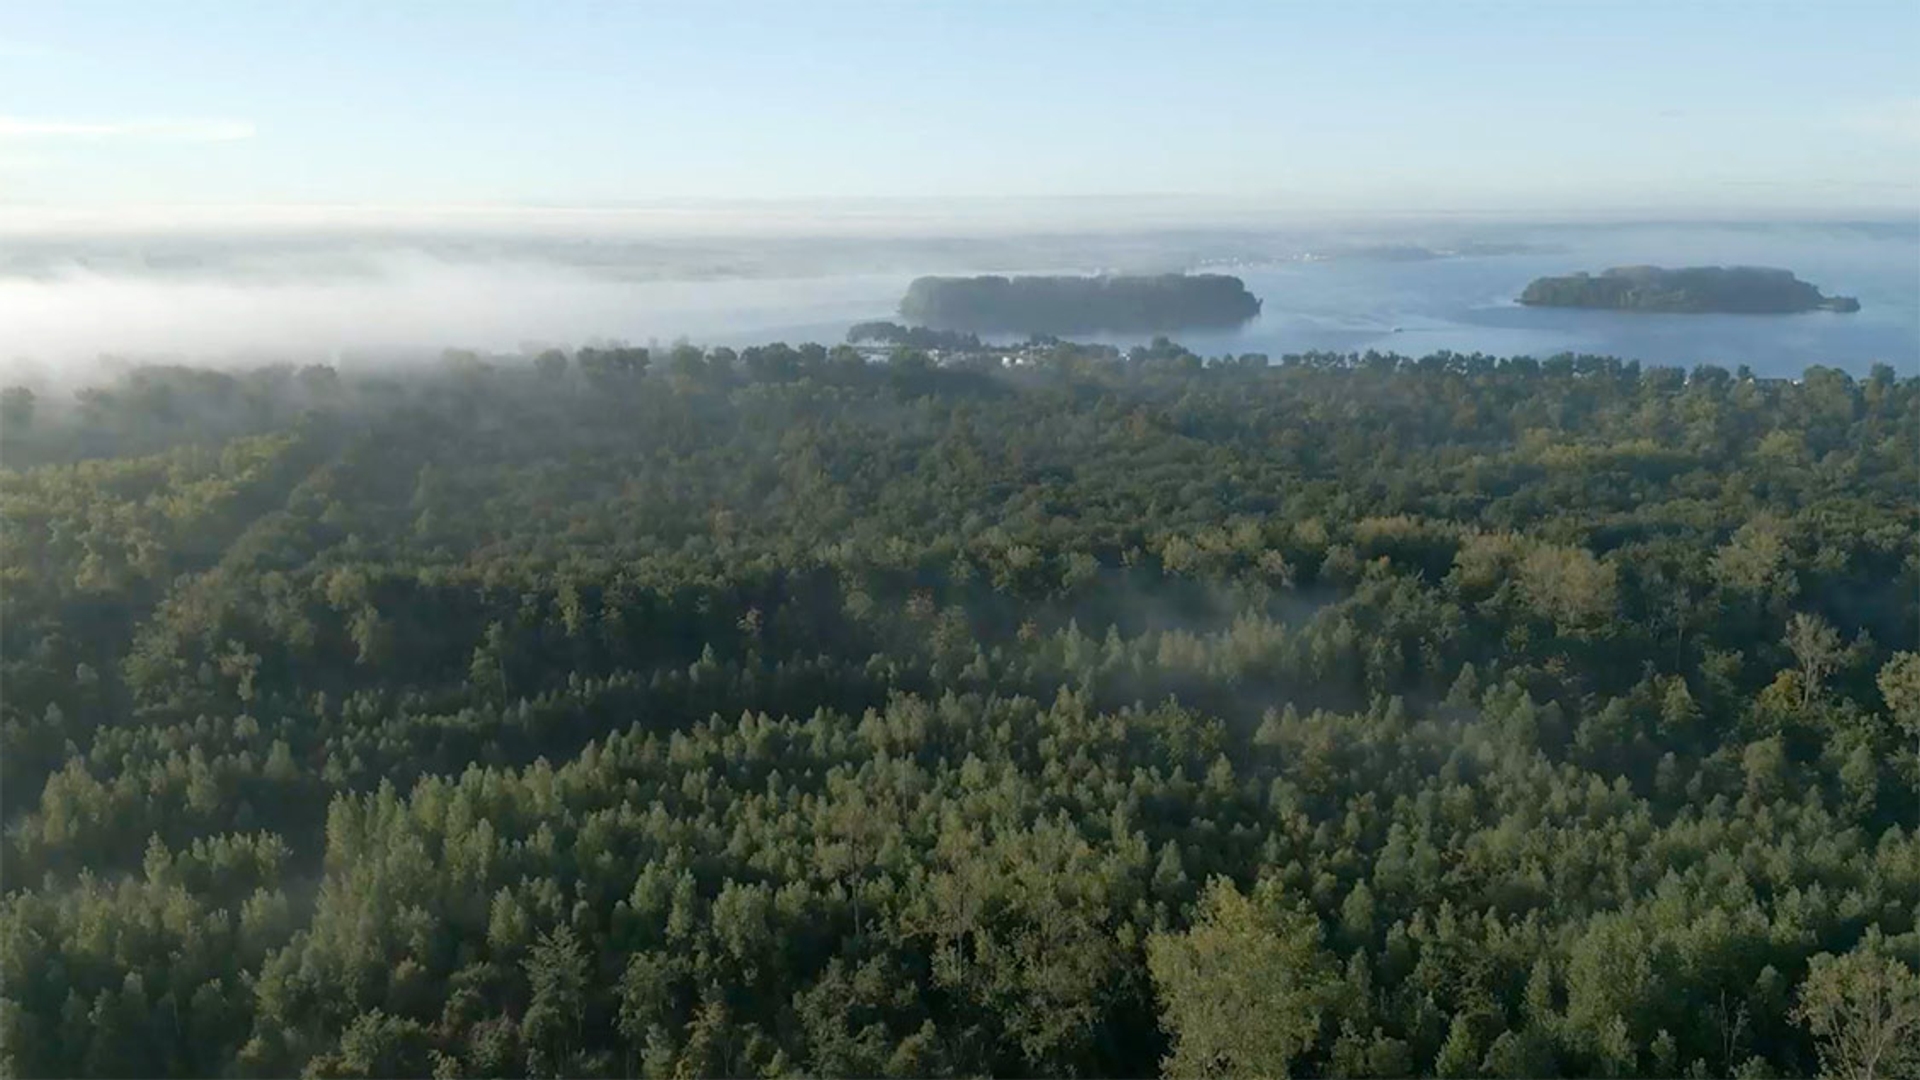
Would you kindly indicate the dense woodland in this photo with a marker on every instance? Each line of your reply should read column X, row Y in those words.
column 686, row 713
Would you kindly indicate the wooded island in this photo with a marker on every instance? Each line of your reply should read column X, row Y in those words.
column 1079, row 305
column 1733, row 290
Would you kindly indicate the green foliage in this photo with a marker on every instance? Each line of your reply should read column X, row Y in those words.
column 1243, row 989
column 1864, row 1008
column 692, row 712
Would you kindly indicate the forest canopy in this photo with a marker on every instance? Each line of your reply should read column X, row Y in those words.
column 687, row 712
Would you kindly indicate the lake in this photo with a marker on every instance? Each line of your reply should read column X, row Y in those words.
column 249, row 300
column 1466, row 303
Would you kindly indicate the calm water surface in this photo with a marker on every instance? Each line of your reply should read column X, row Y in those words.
column 1465, row 304
column 242, row 301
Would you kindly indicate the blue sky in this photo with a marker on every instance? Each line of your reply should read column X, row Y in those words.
column 1354, row 106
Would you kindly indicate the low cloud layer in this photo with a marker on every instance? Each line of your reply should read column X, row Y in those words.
column 238, row 297
column 243, row 297
column 56, row 325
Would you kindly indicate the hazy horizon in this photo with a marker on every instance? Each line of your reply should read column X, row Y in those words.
column 243, row 296
column 212, row 182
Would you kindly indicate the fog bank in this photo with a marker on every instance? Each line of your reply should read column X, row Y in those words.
column 412, row 302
